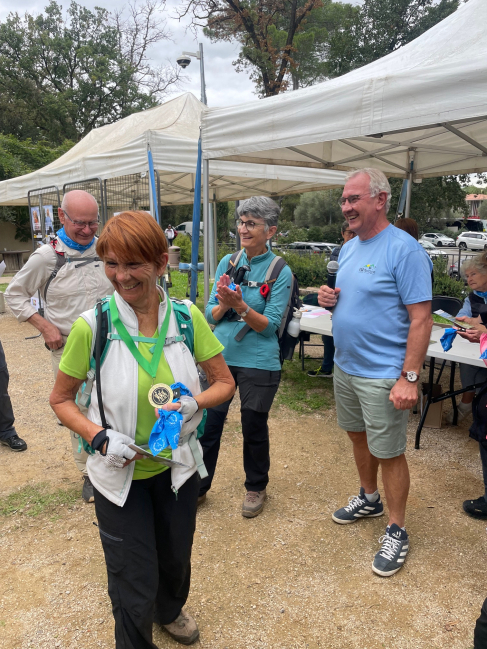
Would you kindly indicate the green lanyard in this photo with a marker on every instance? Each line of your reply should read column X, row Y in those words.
column 150, row 368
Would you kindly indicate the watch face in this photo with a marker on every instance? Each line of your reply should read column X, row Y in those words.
column 412, row 377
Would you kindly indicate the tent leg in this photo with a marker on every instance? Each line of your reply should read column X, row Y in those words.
column 206, row 231
column 410, row 184
column 212, row 240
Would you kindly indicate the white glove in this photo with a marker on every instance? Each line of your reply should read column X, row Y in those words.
column 117, row 450
column 189, row 407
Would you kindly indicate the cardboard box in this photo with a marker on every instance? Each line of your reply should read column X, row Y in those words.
column 435, row 411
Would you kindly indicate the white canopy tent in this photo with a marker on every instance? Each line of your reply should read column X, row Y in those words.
column 416, row 113
column 119, row 151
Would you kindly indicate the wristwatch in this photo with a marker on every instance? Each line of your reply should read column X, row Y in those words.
column 244, row 313
column 412, row 377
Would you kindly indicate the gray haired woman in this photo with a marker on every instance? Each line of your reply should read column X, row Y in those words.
column 246, row 323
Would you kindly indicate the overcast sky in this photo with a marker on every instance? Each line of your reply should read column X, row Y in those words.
column 224, row 86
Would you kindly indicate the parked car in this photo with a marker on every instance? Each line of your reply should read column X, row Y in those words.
column 303, row 248
column 472, row 240
column 432, row 251
column 326, row 248
column 438, row 240
column 187, row 228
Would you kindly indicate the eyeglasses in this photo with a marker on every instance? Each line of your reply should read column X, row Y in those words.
column 250, row 225
column 82, row 224
column 352, row 200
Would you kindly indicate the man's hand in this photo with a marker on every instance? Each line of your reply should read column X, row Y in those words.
column 404, row 395
column 327, row 297
column 52, row 336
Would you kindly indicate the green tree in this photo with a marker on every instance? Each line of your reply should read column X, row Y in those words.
column 222, row 221
column 63, row 75
column 380, row 27
column 18, row 158
column 318, row 208
column 281, row 41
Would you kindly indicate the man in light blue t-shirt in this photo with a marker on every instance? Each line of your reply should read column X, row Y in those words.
column 381, row 327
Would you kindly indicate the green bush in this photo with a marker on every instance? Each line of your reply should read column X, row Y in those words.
column 444, row 284
column 184, row 243
column 309, row 269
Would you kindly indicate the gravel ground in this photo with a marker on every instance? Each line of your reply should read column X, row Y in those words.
column 287, row 579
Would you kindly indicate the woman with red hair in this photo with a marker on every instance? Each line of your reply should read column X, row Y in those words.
column 146, row 514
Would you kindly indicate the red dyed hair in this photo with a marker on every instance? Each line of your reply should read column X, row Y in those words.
column 133, row 236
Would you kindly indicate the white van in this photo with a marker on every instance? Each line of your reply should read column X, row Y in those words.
column 187, row 228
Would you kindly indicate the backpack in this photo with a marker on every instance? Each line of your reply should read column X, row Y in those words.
column 102, row 341
column 287, row 343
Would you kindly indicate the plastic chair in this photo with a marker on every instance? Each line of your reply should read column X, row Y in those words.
column 451, row 305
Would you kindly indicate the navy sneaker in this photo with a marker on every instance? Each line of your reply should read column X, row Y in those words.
column 358, row 507
column 476, row 508
column 391, row 556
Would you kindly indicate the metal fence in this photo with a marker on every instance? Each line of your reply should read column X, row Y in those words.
column 131, row 192
column 43, row 212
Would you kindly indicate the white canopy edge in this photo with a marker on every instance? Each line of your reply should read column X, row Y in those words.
column 428, row 97
column 172, row 131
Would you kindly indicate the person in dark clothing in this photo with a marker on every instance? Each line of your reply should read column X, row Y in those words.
column 480, row 632
column 326, row 369
column 8, row 434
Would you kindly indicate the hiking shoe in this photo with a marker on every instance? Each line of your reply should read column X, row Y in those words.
column 14, row 443
column 318, row 372
column 476, row 508
column 184, row 628
column 201, row 499
column 253, row 503
column 358, row 507
column 391, row 556
column 87, row 493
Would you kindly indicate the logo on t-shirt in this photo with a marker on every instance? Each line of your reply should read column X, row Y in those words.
column 368, row 268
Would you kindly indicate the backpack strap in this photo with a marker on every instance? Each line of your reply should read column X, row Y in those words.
column 233, row 261
column 185, row 324
column 105, row 339
column 273, row 272
column 60, row 261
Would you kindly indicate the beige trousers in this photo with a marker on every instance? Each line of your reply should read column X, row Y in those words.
column 79, row 454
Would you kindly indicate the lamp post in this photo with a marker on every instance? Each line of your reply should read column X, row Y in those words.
column 209, row 249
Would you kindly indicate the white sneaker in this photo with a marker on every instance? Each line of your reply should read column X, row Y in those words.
column 463, row 410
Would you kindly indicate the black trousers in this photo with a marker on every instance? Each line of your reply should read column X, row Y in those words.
column 7, row 418
column 147, row 545
column 480, row 633
column 257, row 391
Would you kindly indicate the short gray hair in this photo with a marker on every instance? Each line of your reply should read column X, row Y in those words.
column 377, row 182
column 261, row 207
column 479, row 263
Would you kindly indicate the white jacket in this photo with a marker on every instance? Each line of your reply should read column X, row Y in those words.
column 119, row 381
column 75, row 288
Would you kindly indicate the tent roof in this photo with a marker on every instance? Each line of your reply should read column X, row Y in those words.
column 429, row 96
column 172, row 130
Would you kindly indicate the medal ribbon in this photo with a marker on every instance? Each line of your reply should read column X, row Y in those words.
column 150, row 368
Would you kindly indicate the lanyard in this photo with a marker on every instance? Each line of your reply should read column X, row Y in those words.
column 150, row 368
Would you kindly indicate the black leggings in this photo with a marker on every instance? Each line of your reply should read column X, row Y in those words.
column 480, row 633
column 7, row 419
column 257, row 391
column 147, row 545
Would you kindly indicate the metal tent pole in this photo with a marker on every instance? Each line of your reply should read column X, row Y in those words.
column 410, row 183
column 206, row 231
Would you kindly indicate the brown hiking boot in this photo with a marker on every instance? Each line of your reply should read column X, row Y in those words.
column 201, row 500
column 184, row 628
column 253, row 503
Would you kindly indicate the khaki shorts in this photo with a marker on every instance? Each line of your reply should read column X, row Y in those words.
column 363, row 405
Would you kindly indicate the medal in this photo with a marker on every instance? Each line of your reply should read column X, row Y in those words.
column 160, row 394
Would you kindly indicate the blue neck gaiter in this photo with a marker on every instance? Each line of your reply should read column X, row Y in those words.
column 72, row 244
column 481, row 294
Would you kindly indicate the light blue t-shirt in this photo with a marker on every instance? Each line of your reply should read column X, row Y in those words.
column 378, row 278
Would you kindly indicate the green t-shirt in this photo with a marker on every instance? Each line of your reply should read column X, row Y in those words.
column 75, row 362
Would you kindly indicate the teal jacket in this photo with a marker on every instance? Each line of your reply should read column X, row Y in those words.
column 256, row 350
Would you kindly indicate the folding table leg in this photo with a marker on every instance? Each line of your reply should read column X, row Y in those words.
column 452, row 389
column 428, row 401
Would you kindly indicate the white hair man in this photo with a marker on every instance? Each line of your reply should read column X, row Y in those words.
column 70, row 278
column 381, row 327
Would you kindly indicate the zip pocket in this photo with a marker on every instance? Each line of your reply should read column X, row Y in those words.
column 109, row 536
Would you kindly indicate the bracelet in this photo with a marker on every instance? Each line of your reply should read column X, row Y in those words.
column 244, row 313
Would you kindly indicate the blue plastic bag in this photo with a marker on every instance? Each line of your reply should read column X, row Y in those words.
column 167, row 429
column 447, row 339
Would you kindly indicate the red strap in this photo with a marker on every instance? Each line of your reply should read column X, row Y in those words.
column 58, row 252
